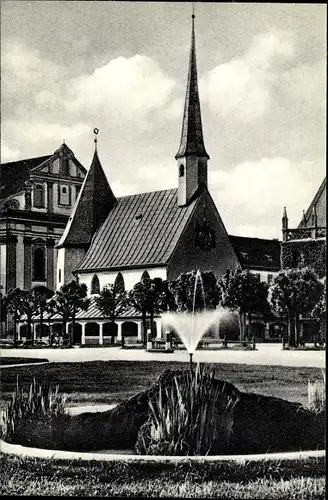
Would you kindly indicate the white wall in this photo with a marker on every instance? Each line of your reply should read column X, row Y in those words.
column 131, row 276
column 60, row 265
column 264, row 274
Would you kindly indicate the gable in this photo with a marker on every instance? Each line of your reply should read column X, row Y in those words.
column 14, row 174
column 193, row 253
column 319, row 203
column 52, row 166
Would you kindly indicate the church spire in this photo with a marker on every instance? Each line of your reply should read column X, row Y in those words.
column 192, row 142
column 94, row 203
column 192, row 156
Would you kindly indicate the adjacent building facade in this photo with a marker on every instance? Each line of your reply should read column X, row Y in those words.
column 36, row 199
column 306, row 246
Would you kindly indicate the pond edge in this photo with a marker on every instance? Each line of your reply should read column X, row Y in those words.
column 17, row 449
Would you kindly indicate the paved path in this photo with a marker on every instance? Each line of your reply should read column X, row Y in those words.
column 266, row 354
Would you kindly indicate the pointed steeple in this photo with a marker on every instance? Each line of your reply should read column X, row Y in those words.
column 192, row 142
column 192, row 156
column 284, row 225
column 94, row 203
column 284, row 215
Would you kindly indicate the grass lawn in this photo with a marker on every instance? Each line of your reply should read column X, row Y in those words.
column 115, row 381
column 30, row 476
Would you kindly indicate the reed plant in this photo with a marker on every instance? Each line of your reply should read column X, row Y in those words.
column 317, row 394
column 42, row 400
column 188, row 416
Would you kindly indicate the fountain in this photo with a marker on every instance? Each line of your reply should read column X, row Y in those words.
column 191, row 326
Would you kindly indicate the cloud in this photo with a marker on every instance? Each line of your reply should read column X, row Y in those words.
column 8, row 154
column 157, row 175
column 241, row 88
column 24, row 70
column 174, row 110
column 306, row 83
column 123, row 189
column 251, row 196
column 127, row 88
column 32, row 134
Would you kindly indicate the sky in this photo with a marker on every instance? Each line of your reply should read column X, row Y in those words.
column 70, row 66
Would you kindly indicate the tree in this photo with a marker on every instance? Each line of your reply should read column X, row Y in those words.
column 41, row 295
column 28, row 307
column 319, row 311
column 195, row 291
column 241, row 291
column 12, row 306
column 112, row 302
column 166, row 299
column 293, row 292
column 146, row 297
column 67, row 301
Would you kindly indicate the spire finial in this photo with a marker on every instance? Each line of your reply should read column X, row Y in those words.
column 95, row 140
column 193, row 10
column 63, row 141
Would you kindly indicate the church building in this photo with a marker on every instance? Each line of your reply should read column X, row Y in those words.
column 162, row 233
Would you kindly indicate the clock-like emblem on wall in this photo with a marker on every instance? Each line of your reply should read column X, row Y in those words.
column 13, row 204
column 205, row 236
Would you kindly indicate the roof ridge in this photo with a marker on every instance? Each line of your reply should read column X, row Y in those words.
column 251, row 237
column 147, row 192
column 34, row 158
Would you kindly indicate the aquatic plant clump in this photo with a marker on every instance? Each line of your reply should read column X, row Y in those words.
column 184, row 416
column 317, row 394
column 40, row 401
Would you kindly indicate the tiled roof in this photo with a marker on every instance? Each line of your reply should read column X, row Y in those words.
column 15, row 173
column 257, row 253
column 92, row 313
column 192, row 142
column 94, row 202
column 141, row 229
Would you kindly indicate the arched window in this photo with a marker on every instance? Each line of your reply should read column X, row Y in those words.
column 38, row 265
column 64, row 195
column 95, row 287
column 119, row 282
column 181, row 170
column 145, row 276
column 38, row 196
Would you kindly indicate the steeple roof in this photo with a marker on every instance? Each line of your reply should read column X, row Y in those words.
column 192, row 142
column 93, row 205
